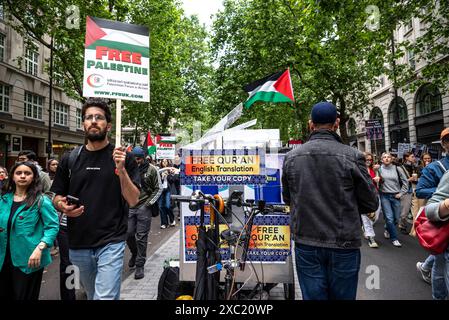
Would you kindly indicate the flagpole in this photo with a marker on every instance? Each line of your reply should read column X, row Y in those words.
column 118, row 124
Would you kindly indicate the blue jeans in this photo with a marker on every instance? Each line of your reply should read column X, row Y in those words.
column 391, row 208
column 440, row 276
column 428, row 263
column 100, row 270
column 327, row 274
column 165, row 208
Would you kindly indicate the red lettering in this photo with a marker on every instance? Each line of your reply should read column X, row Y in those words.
column 100, row 52
column 114, row 54
column 126, row 56
column 117, row 55
column 136, row 58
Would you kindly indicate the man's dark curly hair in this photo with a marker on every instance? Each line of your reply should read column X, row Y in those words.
column 99, row 103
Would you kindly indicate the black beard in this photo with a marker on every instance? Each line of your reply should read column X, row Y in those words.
column 100, row 136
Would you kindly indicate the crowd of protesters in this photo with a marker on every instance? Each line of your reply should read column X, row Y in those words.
column 39, row 218
column 405, row 186
column 49, row 212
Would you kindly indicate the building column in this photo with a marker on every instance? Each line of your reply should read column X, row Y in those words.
column 445, row 99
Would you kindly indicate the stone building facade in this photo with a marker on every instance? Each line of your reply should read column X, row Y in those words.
column 24, row 102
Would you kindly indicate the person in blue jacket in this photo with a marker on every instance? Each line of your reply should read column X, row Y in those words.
column 427, row 185
column 28, row 227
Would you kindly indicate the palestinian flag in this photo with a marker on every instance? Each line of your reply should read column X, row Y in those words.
column 165, row 138
column 149, row 145
column 273, row 88
column 116, row 35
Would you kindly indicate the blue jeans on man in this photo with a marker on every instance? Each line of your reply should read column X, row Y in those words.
column 167, row 216
column 391, row 208
column 326, row 273
column 440, row 276
column 100, row 270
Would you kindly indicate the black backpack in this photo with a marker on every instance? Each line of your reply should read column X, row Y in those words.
column 170, row 288
column 73, row 157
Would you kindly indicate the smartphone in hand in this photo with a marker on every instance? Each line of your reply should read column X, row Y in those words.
column 71, row 200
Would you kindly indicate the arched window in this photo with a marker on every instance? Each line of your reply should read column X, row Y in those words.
column 377, row 140
column 428, row 100
column 352, row 127
column 376, row 114
column 397, row 111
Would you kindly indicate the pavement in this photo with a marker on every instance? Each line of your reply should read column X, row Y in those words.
column 386, row 273
column 146, row 288
column 395, row 268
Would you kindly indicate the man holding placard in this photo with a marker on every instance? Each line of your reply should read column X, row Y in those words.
column 94, row 185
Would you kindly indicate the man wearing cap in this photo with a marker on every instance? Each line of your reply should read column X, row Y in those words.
column 327, row 186
column 139, row 219
column 427, row 185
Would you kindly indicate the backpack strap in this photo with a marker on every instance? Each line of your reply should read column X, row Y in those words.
column 442, row 166
column 73, row 157
column 405, row 171
column 399, row 176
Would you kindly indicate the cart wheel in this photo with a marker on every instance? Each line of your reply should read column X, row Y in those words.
column 289, row 291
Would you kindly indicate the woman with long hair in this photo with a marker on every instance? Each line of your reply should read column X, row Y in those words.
column 29, row 225
column 426, row 158
column 3, row 178
column 409, row 169
column 167, row 216
column 52, row 166
column 368, row 220
column 393, row 186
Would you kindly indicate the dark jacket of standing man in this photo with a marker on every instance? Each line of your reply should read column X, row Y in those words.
column 327, row 186
column 139, row 217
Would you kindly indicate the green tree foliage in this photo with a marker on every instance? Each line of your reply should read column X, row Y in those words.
column 328, row 46
column 180, row 67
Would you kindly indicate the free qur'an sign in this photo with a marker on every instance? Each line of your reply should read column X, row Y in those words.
column 223, row 164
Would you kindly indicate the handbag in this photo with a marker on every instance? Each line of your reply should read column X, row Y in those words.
column 432, row 236
column 154, row 210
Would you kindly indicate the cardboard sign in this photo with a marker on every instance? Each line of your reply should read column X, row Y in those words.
column 374, row 129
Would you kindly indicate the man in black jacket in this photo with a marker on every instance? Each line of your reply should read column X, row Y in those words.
column 139, row 218
column 327, row 185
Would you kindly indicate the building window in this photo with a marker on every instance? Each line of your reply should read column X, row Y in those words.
column 58, row 79
column 352, row 127
column 382, row 81
column 408, row 26
column 61, row 114
column 79, row 119
column 398, row 111
column 428, row 100
column 2, row 47
column 4, row 98
column 33, row 106
column 411, row 59
column 2, row 13
column 31, row 62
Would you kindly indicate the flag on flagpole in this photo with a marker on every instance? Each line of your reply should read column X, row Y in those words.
column 276, row 87
column 148, row 145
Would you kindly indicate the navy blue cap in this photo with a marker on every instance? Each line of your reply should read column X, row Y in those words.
column 138, row 152
column 324, row 112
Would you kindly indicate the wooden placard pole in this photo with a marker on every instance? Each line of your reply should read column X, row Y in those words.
column 118, row 124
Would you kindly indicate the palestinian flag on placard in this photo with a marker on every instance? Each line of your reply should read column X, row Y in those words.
column 165, row 138
column 149, row 145
column 276, row 87
column 116, row 35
